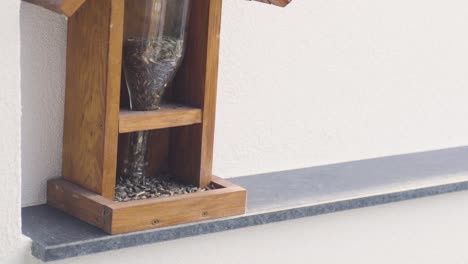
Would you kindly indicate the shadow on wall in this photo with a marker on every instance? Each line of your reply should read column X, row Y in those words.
column 43, row 56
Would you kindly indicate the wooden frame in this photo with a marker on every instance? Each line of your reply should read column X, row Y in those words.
column 93, row 97
column 168, row 116
column 114, row 217
column 96, row 121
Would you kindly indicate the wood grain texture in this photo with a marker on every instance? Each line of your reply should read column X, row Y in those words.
column 195, row 85
column 281, row 3
column 167, row 212
column 122, row 217
column 69, row 7
column 79, row 202
column 92, row 95
column 112, row 103
column 158, row 151
column 170, row 115
column 65, row 7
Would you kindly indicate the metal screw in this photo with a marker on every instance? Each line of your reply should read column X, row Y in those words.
column 155, row 222
column 204, row 214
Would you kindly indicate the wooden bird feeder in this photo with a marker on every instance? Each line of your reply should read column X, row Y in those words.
column 97, row 119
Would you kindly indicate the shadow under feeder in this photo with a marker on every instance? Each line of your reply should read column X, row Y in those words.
column 97, row 120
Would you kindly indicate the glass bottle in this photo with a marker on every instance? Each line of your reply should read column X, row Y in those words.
column 153, row 48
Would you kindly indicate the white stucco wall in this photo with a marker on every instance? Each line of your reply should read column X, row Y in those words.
column 330, row 81
column 319, row 82
column 43, row 56
column 10, row 109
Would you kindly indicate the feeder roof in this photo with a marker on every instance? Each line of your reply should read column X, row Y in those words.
column 65, row 7
column 69, row 7
column 281, row 3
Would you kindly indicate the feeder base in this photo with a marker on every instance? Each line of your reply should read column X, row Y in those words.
column 123, row 217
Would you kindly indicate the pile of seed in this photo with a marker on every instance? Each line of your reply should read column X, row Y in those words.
column 161, row 186
column 148, row 67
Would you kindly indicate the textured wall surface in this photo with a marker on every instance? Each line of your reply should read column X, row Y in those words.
column 10, row 109
column 330, row 81
column 43, row 54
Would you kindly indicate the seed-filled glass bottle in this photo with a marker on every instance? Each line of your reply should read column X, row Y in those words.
column 153, row 48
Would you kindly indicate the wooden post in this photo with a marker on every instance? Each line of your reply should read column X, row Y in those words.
column 94, row 55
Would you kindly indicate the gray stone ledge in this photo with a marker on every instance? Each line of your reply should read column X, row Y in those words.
column 272, row 197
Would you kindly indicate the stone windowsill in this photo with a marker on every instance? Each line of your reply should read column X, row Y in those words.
column 272, row 197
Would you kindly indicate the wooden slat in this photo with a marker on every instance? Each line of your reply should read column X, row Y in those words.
column 122, row 217
column 79, row 202
column 195, row 84
column 168, row 116
column 166, row 212
column 158, row 143
column 281, row 3
column 69, row 7
column 223, row 182
column 92, row 95
column 111, row 125
column 65, row 7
